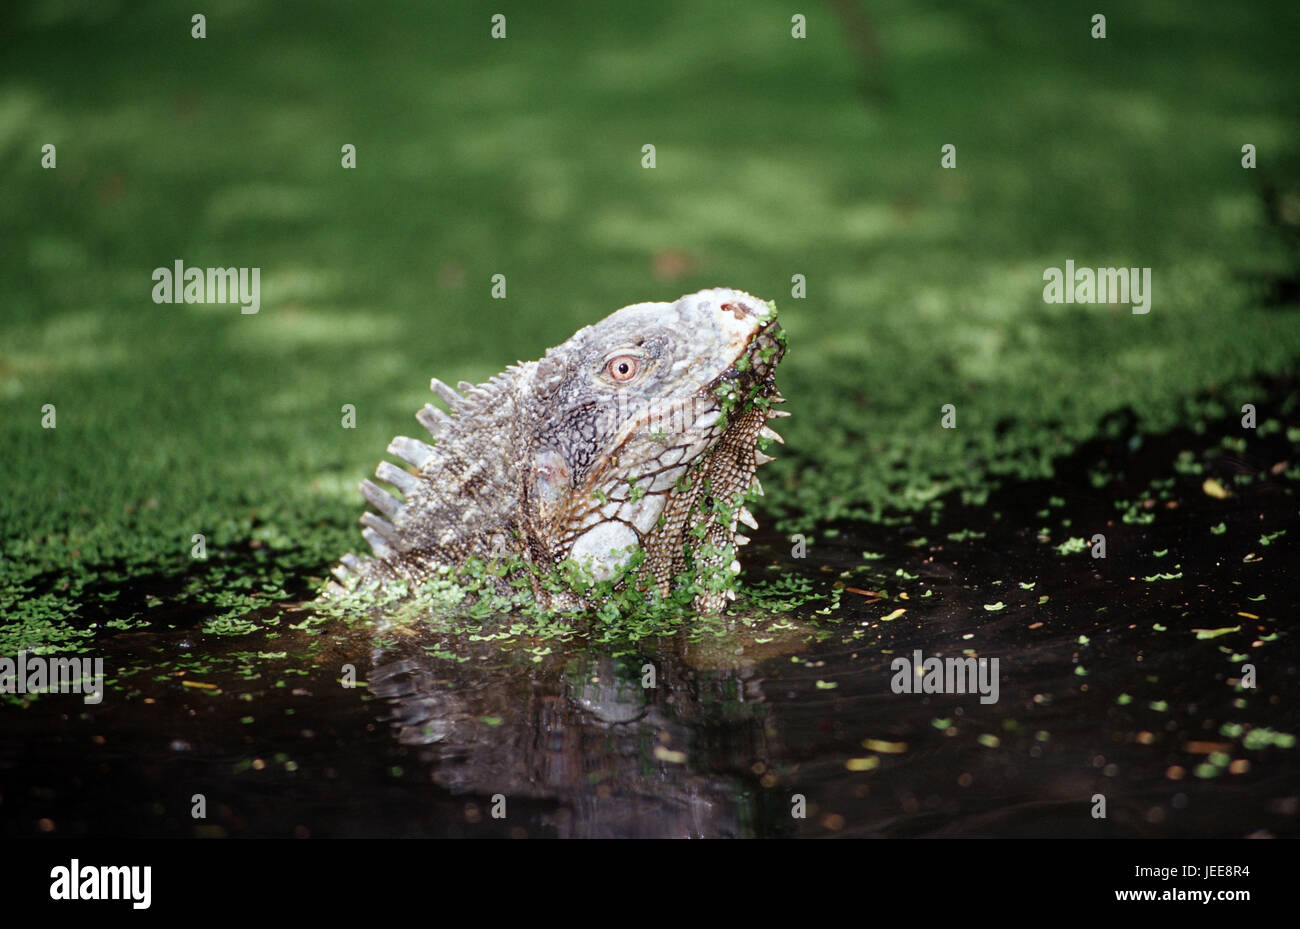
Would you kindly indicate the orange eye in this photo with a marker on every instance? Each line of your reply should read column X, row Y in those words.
column 623, row 368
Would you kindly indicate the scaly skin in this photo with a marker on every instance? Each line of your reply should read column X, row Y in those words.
column 614, row 441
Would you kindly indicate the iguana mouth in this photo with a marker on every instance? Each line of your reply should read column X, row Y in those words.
column 756, row 363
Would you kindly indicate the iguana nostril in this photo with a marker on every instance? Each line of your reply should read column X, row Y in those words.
column 738, row 310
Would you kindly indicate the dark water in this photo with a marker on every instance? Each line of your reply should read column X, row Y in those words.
column 749, row 723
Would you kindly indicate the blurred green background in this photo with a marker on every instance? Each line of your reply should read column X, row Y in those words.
column 775, row 156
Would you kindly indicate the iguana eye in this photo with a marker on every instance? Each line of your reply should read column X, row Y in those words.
column 623, row 368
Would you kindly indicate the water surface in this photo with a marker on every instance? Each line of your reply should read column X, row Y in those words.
column 1119, row 678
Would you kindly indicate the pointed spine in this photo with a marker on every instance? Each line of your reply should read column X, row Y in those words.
column 434, row 419
column 404, row 481
column 449, row 396
column 412, row 451
column 379, row 498
column 378, row 544
column 380, row 525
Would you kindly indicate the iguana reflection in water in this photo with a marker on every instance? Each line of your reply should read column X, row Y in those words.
column 616, row 758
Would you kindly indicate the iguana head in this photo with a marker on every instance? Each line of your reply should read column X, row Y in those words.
column 639, row 433
column 651, row 422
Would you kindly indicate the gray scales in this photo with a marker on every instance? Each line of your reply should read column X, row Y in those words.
column 638, row 434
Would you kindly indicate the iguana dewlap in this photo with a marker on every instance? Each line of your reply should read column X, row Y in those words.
column 639, row 432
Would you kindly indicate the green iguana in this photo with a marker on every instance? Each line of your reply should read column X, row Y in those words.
column 638, row 433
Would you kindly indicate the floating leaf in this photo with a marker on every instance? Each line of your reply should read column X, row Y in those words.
column 1214, row 489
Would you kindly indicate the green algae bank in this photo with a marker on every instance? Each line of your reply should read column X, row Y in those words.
column 1025, row 564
